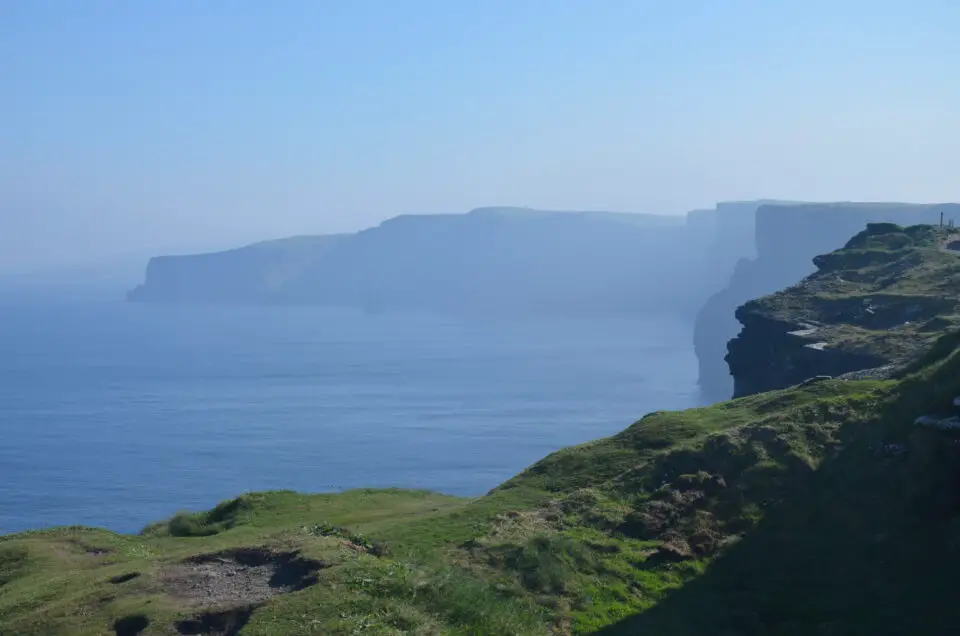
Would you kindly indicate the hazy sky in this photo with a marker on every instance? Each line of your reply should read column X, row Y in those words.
column 131, row 125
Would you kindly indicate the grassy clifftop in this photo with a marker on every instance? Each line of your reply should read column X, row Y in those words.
column 918, row 264
column 879, row 301
column 816, row 509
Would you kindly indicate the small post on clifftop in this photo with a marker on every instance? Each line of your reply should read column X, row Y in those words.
column 941, row 219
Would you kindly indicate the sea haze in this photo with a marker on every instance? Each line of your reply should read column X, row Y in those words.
column 118, row 414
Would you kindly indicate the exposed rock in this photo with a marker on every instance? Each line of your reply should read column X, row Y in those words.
column 768, row 355
column 943, row 424
column 786, row 238
column 827, row 325
column 884, row 372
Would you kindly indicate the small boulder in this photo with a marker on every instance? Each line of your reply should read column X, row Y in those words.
column 950, row 424
column 942, row 424
column 926, row 420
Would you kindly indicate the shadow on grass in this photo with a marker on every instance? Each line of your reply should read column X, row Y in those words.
column 870, row 546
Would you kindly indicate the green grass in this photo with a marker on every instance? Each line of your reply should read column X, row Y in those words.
column 687, row 486
column 886, row 266
column 58, row 581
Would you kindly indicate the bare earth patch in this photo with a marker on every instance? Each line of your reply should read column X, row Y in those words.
column 238, row 577
column 87, row 549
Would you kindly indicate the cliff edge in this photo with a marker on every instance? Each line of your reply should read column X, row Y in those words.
column 787, row 238
column 876, row 302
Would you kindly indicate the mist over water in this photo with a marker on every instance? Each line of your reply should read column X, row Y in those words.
column 117, row 414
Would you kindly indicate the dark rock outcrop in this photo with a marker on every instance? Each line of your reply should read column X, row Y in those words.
column 787, row 237
column 789, row 354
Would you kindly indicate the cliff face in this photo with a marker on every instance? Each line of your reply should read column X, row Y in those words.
column 786, row 238
column 729, row 236
column 492, row 259
column 877, row 301
column 255, row 273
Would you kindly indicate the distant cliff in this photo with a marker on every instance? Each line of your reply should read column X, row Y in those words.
column 491, row 259
column 727, row 231
column 255, row 273
column 786, row 238
column 878, row 301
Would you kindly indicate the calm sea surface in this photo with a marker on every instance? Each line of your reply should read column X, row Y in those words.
column 117, row 415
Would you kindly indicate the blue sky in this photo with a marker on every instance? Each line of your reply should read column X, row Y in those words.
column 175, row 124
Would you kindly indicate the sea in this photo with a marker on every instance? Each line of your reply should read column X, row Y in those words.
column 116, row 415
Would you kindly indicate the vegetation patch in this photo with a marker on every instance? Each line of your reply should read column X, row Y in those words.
column 350, row 539
column 203, row 524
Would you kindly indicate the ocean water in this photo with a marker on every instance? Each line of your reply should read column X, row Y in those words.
column 117, row 415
